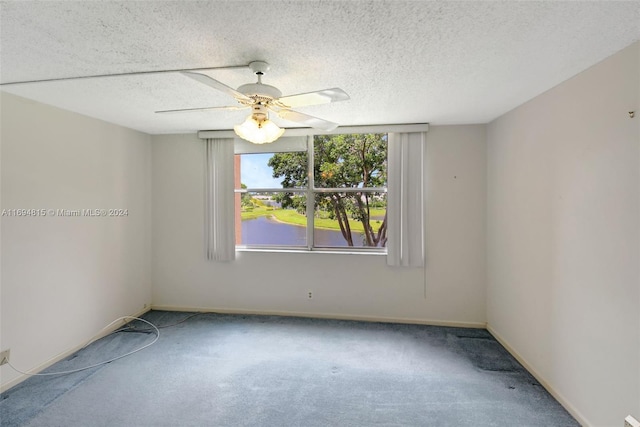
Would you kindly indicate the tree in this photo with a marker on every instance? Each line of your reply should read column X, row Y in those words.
column 246, row 200
column 340, row 161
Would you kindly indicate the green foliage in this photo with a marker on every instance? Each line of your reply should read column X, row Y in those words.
column 245, row 199
column 292, row 201
column 350, row 160
column 340, row 161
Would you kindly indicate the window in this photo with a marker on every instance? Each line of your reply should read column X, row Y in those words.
column 316, row 192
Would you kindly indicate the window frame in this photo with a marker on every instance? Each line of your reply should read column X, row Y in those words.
column 310, row 190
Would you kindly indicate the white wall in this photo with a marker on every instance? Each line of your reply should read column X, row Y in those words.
column 63, row 279
column 347, row 286
column 563, row 238
column 637, row 114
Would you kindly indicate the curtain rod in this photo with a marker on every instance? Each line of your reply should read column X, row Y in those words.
column 412, row 127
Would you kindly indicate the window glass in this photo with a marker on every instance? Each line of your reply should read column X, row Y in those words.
column 258, row 170
column 346, row 187
column 356, row 219
column 351, row 160
column 265, row 222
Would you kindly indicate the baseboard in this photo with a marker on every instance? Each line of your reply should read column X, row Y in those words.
column 559, row 397
column 61, row 356
column 336, row 316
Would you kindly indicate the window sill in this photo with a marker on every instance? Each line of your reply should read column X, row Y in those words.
column 314, row 251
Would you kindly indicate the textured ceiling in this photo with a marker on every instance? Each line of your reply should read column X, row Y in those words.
column 400, row 61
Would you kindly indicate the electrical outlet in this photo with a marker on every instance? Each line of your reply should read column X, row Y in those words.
column 4, row 357
column 310, row 295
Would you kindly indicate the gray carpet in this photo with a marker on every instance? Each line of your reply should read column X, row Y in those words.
column 234, row 370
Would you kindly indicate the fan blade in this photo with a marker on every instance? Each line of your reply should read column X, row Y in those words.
column 211, row 82
column 314, row 98
column 191, row 110
column 314, row 122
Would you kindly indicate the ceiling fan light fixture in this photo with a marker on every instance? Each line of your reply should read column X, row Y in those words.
column 258, row 130
column 262, row 98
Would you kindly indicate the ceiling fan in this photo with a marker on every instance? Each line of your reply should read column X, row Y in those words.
column 262, row 99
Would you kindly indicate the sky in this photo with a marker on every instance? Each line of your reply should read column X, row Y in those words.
column 255, row 172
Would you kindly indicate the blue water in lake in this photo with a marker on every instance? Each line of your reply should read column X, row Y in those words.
column 265, row 231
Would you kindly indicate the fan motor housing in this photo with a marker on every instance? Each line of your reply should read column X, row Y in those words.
column 253, row 90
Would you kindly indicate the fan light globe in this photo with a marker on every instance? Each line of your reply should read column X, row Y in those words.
column 258, row 131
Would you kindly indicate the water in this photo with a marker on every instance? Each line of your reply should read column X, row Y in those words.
column 265, row 231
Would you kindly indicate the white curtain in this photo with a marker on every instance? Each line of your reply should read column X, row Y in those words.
column 405, row 199
column 219, row 200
